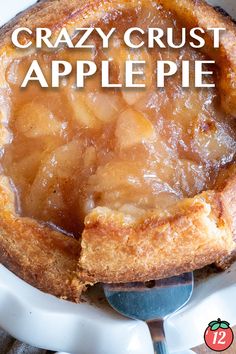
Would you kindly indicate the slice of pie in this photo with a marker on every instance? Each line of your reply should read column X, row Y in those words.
column 116, row 185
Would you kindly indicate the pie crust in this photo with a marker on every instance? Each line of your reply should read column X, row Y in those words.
column 116, row 245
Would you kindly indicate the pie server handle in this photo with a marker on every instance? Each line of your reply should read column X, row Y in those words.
column 160, row 348
column 158, row 337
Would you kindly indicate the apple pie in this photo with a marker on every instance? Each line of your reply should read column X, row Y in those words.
column 116, row 185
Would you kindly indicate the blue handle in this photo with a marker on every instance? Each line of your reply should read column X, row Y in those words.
column 160, row 348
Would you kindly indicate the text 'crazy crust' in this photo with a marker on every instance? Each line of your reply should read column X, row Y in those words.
column 116, row 185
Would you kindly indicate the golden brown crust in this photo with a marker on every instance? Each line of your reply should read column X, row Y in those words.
column 226, row 185
column 42, row 257
column 192, row 235
column 227, row 261
column 197, row 232
column 116, row 249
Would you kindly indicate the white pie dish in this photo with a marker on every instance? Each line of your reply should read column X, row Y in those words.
column 47, row 322
column 44, row 321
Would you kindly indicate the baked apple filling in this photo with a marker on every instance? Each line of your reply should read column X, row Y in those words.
column 127, row 149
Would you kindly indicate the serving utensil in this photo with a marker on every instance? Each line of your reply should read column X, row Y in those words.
column 151, row 302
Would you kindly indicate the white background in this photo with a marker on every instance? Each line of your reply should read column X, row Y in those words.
column 9, row 8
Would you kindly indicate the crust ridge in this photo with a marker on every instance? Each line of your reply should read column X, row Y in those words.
column 116, row 248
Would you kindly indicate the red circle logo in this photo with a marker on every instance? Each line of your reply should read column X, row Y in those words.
column 219, row 336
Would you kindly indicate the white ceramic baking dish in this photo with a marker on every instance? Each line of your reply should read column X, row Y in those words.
column 93, row 328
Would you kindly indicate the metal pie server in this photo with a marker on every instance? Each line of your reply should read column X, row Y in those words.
column 151, row 302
